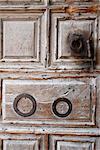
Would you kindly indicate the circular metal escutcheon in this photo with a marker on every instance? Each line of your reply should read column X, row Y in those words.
column 62, row 107
column 24, row 105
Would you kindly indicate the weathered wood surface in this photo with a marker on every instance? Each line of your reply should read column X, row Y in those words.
column 36, row 58
column 73, row 143
column 80, row 92
column 21, row 141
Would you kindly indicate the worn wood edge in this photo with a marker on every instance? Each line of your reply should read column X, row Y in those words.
column 67, row 8
column 53, row 124
column 4, row 129
column 40, row 75
column 46, row 75
column 50, row 71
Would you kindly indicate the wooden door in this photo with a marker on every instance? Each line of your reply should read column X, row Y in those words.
column 50, row 75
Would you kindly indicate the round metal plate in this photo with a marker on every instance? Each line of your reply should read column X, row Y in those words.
column 62, row 100
column 18, row 99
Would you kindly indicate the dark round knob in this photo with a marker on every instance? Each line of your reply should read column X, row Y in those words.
column 62, row 107
column 76, row 42
column 24, row 105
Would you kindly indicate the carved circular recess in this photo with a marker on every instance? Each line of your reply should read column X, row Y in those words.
column 24, row 105
column 62, row 107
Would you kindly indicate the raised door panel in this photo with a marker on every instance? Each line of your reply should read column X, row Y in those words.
column 98, row 50
column 57, row 1
column 74, row 143
column 0, row 144
column 68, row 1
column 73, row 146
column 73, row 40
column 23, row 39
column 22, row 142
column 98, row 102
column 23, row 1
column 70, row 102
column 0, row 101
column 19, row 39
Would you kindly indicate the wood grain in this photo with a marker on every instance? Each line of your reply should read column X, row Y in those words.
column 36, row 58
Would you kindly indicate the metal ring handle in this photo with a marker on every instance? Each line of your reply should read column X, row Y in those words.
column 18, row 98
column 62, row 100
